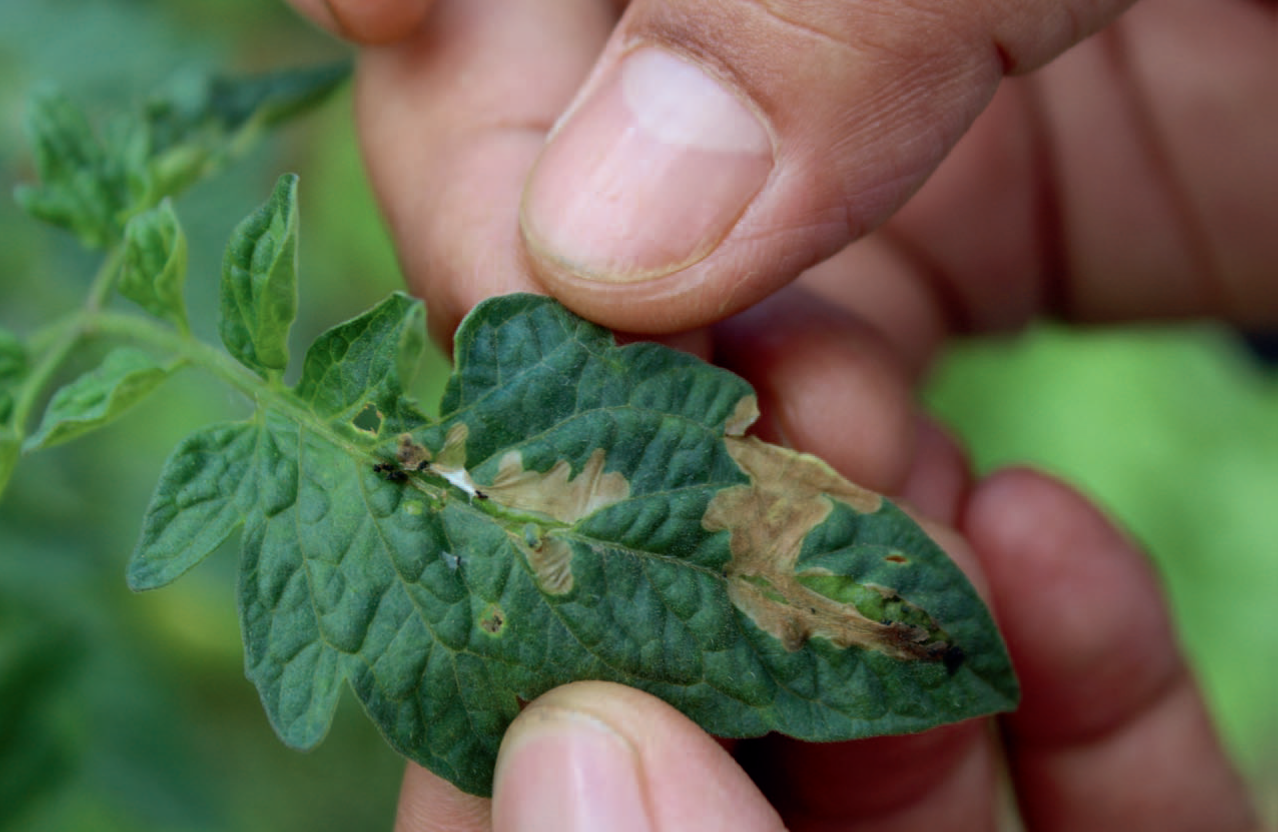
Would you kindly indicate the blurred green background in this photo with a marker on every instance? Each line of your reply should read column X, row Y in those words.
column 131, row 712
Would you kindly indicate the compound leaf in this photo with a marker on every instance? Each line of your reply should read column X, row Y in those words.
column 83, row 188
column 92, row 183
column 99, row 397
column 154, row 268
column 580, row 511
column 259, row 283
column 201, row 121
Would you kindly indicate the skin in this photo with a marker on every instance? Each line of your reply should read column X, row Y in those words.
column 993, row 164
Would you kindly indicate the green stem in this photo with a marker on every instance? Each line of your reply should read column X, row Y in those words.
column 186, row 348
column 64, row 338
column 94, row 321
column 268, row 393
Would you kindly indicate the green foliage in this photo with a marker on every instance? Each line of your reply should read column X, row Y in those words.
column 154, row 270
column 97, row 398
column 85, row 177
column 14, row 365
column 111, row 189
column 33, row 667
column 423, row 587
column 144, row 711
column 259, row 283
column 579, row 510
column 92, row 182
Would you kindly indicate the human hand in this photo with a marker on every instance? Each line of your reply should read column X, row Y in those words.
column 1131, row 179
column 1111, row 733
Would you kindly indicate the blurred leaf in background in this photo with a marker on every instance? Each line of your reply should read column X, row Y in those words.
column 131, row 712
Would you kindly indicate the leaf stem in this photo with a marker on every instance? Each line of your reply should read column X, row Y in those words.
column 64, row 338
column 182, row 345
column 265, row 393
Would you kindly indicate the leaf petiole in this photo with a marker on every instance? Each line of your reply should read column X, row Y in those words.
column 63, row 337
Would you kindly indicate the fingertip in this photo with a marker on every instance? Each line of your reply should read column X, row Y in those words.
column 561, row 767
column 368, row 22
column 677, row 302
column 1079, row 603
column 648, row 173
column 1112, row 732
column 595, row 755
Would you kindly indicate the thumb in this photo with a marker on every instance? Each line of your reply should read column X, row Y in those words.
column 594, row 755
column 720, row 147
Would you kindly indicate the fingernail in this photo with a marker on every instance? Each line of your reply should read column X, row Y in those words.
column 561, row 771
column 648, row 175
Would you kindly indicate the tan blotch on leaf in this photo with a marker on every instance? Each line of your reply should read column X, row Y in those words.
column 558, row 494
column 450, row 462
column 553, row 492
column 789, row 495
column 745, row 414
column 551, row 562
column 411, row 456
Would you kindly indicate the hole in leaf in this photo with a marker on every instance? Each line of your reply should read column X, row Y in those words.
column 368, row 419
column 896, row 558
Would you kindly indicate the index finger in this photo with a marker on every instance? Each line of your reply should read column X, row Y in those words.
column 451, row 120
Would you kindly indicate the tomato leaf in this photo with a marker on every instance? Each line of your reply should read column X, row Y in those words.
column 154, row 269
column 93, row 181
column 259, row 283
column 201, row 121
column 100, row 396
column 84, row 186
column 579, row 511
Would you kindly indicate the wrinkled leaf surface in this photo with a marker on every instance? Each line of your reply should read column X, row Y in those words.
column 579, row 511
column 154, row 269
column 259, row 283
column 100, row 396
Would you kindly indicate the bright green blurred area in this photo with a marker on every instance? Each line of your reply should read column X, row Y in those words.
column 1175, row 433
column 131, row 712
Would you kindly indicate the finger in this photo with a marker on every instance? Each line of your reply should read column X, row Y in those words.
column 365, row 21
column 451, row 120
column 827, row 384
column 719, row 148
column 1111, row 733
column 1167, row 194
column 940, row 779
column 940, row 476
column 429, row 803
column 594, row 755
column 1130, row 179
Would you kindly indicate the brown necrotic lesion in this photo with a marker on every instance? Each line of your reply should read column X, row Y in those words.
column 789, row 495
column 551, row 563
column 560, row 496
column 556, row 493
